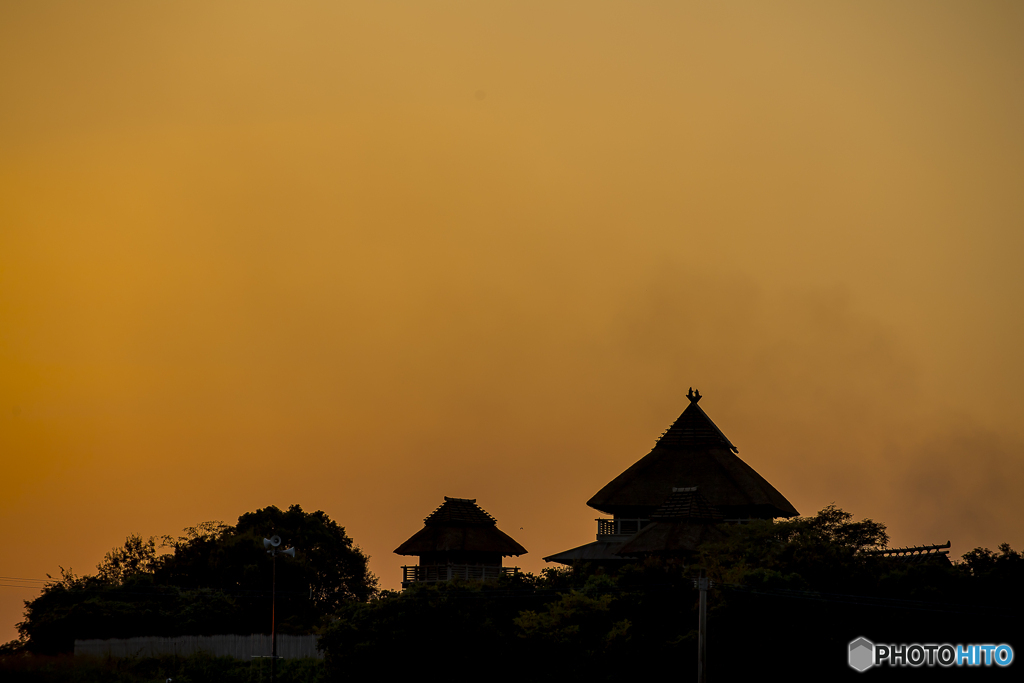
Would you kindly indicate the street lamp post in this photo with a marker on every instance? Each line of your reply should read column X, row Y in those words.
column 272, row 544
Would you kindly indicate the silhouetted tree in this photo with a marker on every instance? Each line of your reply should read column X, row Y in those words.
column 216, row 579
column 136, row 556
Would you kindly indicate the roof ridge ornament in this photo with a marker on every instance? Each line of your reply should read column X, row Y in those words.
column 694, row 396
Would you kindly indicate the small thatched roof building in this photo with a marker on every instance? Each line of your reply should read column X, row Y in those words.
column 459, row 533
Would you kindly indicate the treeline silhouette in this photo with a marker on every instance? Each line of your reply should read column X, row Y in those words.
column 216, row 579
column 788, row 597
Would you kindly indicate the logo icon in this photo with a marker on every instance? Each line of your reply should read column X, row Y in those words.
column 862, row 654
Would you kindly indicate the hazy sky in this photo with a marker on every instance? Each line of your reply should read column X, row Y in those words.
column 360, row 256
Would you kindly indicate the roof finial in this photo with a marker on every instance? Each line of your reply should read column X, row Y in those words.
column 694, row 396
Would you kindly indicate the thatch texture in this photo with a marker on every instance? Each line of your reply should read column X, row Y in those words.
column 459, row 525
column 693, row 452
column 687, row 503
column 431, row 539
column 459, row 511
column 678, row 527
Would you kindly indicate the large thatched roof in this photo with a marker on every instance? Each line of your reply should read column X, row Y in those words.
column 693, row 452
column 459, row 524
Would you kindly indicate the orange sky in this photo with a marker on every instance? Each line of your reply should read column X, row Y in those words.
column 359, row 256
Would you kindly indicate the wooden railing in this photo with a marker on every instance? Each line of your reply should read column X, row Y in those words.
column 450, row 572
column 620, row 526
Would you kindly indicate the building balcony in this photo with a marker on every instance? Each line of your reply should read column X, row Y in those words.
column 450, row 572
column 618, row 526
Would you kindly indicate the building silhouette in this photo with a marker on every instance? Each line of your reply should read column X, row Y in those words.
column 459, row 540
column 677, row 496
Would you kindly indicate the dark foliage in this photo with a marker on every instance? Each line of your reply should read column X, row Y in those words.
column 788, row 597
column 216, row 579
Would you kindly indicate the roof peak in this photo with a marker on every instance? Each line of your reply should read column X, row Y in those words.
column 692, row 451
column 694, row 428
column 459, row 525
column 459, row 511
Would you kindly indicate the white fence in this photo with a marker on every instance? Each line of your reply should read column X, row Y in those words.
column 239, row 647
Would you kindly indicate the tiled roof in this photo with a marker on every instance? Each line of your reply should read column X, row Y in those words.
column 459, row 511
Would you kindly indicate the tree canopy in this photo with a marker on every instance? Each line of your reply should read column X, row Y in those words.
column 215, row 579
column 795, row 591
column 800, row 588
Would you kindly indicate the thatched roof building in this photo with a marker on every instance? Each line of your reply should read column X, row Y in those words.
column 647, row 501
column 693, row 452
column 458, row 540
column 460, row 527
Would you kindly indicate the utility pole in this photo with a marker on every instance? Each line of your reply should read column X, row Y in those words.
column 272, row 544
column 273, row 615
column 702, row 628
